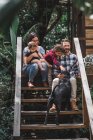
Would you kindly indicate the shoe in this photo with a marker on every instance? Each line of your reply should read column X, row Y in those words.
column 53, row 108
column 30, row 84
column 74, row 107
column 45, row 84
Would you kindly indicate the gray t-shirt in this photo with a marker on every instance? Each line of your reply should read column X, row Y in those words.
column 26, row 51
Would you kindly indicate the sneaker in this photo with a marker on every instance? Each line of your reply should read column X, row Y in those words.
column 30, row 84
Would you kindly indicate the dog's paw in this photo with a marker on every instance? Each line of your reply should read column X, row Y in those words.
column 45, row 123
column 57, row 123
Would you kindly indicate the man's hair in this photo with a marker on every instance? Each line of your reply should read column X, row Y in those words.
column 58, row 47
column 65, row 40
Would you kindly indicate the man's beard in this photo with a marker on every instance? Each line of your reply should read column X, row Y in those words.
column 67, row 50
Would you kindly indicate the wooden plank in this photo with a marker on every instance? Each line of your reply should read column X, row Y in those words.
column 88, row 21
column 17, row 100
column 34, row 100
column 85, row 85
column 36, row 88
column 51, row 126
column 89, row 26
column 58, row 139
column 89, row 51
column 51, row 113
column 85, row 113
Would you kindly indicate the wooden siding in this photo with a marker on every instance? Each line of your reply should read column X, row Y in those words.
column 89, row 35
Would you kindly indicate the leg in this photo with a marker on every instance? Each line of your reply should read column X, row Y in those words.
column 50, row 76
column 38, row 62
column 73, row 93
column 31, row 71
column 44, row 74
column 49, row 104
column 54, row 83
column 57, row 117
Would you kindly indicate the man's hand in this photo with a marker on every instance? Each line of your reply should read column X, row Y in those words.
column 62, row 68
column 78, row 76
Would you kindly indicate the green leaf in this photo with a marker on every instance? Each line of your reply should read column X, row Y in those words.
column 13, row 34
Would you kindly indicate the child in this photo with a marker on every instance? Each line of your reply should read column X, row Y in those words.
column 38, row 58
column 54, row 54
column 51, row 57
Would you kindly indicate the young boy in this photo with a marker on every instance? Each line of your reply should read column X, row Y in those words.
column 52, row 55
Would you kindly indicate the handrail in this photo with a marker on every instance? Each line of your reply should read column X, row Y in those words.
column 85, row 85
column 17, row 105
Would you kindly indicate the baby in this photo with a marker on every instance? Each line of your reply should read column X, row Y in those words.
column 37, row 57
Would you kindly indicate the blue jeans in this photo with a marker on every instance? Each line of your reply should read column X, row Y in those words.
column 32, row 70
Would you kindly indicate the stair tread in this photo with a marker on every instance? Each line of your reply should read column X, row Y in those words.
column 51, row 126
column 35, row 88
column 59, row 139
column 34, row 100
column 44, row 112
column 89, row 26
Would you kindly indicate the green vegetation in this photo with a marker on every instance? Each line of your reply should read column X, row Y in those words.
column 49, row 20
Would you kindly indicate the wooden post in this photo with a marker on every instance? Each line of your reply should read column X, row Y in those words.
column 85, row 113
column 85, row 85
column 17, row 105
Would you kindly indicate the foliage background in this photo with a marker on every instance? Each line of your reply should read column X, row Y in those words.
column 50, row 21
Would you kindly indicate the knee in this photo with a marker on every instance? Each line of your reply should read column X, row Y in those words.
column 44, row 64
column 35, row 66
column 56, row 80
column 73, row 79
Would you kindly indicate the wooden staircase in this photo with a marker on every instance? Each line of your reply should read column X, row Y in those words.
column 30, row 110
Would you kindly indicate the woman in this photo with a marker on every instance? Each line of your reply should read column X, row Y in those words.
column 31, row 69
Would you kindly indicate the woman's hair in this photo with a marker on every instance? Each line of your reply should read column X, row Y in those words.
column 58, row 47
column 31, row 36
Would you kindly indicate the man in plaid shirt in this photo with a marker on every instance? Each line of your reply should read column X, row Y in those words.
column 70, row 63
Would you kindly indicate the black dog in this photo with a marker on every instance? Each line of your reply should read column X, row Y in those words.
column 61, row 91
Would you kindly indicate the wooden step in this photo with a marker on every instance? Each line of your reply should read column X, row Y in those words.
column 36, row 88
column 51, row 126
column 89, row 26
column 59, row 139
column 38, row 100
column 51, row 113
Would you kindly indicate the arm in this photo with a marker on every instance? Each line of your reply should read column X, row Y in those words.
column 75, row 68
column 40, row 55
column 27, row 56
column 27, row 59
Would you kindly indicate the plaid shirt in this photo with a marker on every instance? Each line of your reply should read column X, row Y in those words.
column 70, row 63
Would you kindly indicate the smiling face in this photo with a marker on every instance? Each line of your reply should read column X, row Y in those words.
column 36, row 40
column 58, row 53
column 66, row 46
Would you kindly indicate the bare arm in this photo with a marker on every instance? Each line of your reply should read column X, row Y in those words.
column 27, row 59
column 40, row 55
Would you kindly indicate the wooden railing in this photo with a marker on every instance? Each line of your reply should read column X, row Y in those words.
column 87, row 100
column 17, row 101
